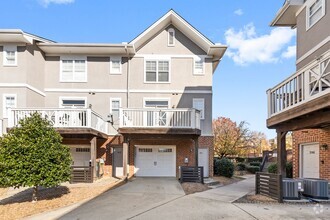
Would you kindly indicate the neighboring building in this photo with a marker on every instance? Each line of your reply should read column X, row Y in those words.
column 302, row 101
column 143, row 107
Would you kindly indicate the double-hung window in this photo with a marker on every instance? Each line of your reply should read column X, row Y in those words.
column 115, row 104
column 199, row 66
column 157, row 71
column 9, row 101
column 73, row 70
column 115, row 65
column 199, row 105
column 9, row 55
column 315, row 11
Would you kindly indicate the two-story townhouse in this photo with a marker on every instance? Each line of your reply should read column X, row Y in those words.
column 143, row 107
column 301, row 103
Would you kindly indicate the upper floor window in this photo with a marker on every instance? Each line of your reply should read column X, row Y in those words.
column 315, row 11
column 72, row 102
column 9, row 101
column 199, row 105
column 73, row 70
column 171, row 37
column 115, row 104
column 157, row 71
column 115, row 65
column 9, row 55
column 199, row 66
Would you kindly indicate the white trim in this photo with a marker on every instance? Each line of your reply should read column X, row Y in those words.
column 169, row 56
column 157, row 61
column 86, row 90
column 170, row 30
column 203, row 110
column 156, row 99
column 116, row 58
column 61, row 98
column 201, row 58
column 163, row 91
column 73, row 58
column 318, row 46
column 22, row 85
column 9, row 47
column 4, row 109
column 120, row 106
column 309, row 4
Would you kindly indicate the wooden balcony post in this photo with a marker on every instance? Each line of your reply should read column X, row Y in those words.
column 93, row 155
column 125, row 158
column 281, row 153
column 89, row 118
column 269, row 102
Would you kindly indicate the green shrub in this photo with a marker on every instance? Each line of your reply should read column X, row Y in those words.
column 223, row 167
column 253, row 169
column 255, row 159
column 289, row 169
column 255, row 164
column 240, row 166
column 272, row 168
column 240, row 159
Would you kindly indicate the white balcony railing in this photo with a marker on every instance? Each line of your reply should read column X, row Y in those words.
column 63, row 118
column 159, row 118
column 303, row 86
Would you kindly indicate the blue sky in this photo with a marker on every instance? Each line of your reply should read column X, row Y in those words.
column 259, row 56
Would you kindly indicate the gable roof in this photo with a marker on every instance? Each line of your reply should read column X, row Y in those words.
column 171, row 17
column 286, row 16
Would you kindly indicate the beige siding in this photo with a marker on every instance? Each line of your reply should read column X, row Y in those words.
column 158, row 45
column 308, row 39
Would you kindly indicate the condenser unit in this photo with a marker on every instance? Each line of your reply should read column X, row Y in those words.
column 292, row 188
column 316, row 188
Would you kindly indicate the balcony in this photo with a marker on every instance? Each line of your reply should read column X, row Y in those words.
column 63, row 119
column 159, row 121
column 303, row 93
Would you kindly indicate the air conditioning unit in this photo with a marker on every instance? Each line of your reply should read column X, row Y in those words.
column 292, row 188
column 316, row 188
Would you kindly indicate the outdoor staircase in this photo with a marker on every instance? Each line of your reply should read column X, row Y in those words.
column 265, row 168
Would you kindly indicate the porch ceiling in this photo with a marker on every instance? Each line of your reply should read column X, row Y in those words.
column 160, row 131
column 81, row 131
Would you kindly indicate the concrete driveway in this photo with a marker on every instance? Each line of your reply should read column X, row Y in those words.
column 130, row 200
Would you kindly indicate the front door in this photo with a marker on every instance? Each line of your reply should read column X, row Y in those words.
column 118, row 162
column 155, row 117
column 310, row 161
column 203, row 160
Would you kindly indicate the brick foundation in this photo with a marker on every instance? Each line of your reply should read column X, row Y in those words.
column 320, row 136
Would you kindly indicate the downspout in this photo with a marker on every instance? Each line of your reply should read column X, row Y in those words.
column 128, row 73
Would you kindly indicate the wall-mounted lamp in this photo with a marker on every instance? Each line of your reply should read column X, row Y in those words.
column 324, row 146
column 91, row 93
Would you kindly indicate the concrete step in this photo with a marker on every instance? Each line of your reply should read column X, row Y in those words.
column 210, row 182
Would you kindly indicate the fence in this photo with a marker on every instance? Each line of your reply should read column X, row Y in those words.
column 81, row 174
column 192, row 174
column 270, row 185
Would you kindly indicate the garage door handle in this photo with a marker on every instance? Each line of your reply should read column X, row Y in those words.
column 155, row 163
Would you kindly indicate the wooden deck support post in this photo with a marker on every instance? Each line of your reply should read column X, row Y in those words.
column 196, row 151
column 281, row 153
column 93, row 156
column 125, row 158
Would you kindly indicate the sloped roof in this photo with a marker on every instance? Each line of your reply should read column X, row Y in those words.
column 19, row 36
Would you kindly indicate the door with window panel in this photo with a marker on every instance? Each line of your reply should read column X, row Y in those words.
column 156, row 117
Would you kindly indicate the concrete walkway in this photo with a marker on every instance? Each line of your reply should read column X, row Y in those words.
column 159, row 198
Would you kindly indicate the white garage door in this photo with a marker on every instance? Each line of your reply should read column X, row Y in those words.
column 155, row 160
column 309, row 161
column 81, row 155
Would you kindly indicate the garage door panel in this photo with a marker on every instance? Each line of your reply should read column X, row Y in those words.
column 155, row 161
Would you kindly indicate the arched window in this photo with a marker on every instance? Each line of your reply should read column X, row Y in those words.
column 171, row 37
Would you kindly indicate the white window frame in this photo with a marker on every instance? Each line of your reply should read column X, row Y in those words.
column 61, row 98
column 111, row 109
column 115, row 58
column 308, row 7
column 203, row 110
column 156, row 99
column 171, row 30
column 4, row 53
column 4, row 113
column 157, row 61
column 73, row 58
column 200, row 59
